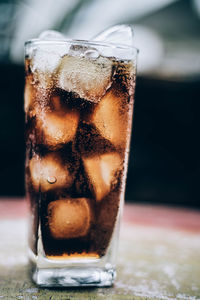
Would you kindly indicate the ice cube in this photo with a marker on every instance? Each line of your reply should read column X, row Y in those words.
column 102, row 171
column 119, row 35
column 69, row 218
column 49, row 173
column 111, row 118
column 45, row 58
column 88, row 78
column 28, row 96
column 51, row 35
column 58, row 127
column 34, row 99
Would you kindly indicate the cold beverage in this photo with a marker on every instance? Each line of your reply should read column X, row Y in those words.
column 78, row 105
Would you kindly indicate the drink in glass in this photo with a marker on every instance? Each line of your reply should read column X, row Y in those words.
column 79, row 99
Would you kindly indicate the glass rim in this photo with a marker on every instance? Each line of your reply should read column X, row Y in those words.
column 37, row 41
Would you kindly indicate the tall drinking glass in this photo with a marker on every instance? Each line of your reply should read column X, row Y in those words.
column 79, row 99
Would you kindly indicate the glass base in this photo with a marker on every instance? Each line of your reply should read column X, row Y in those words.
column 75, row 271
column 72, row 277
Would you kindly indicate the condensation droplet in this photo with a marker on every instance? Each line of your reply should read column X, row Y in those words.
column 51, row 179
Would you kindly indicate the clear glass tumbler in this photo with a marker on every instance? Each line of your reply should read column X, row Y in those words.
column 79, row 99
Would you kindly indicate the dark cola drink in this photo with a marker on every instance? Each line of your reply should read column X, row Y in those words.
column 78, row 107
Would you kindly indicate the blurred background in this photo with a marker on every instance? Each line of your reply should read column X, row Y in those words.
column 164, row 160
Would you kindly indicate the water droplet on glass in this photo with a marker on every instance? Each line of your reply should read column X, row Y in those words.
column 51, row 179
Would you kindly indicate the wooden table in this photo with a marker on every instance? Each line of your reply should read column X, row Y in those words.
column 159, row 256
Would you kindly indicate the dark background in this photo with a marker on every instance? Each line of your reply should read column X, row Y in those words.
column 164, row 165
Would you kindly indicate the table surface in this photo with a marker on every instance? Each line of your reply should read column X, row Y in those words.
column 159, row 256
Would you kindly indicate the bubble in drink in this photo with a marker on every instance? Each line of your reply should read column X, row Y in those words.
column 51, row 179
column 88, row 78
column 102, row 171
column 69, row 218
column 49, row 173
